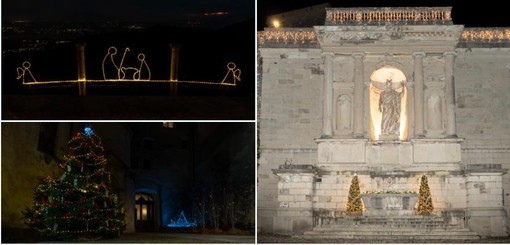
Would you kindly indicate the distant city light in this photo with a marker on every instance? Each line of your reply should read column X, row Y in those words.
column 215, row 13
column 276, row 24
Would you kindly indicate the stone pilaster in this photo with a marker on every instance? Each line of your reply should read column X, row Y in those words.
column 327, row 103
column 295, row 199
column 358, row 94
column 450, row 94
column 418, row 94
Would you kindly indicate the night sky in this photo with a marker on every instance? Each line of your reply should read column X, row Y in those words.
column 488, row 13
column 121, row 10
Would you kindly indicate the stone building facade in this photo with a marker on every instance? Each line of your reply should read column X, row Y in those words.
column 319, row 122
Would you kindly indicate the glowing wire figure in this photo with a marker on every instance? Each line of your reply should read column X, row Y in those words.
column 121, row 70
column 111, row 52
column 22, row 73
column 236, row 74
column 138, row 72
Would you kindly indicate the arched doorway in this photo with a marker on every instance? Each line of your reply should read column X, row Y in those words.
column 144, row 212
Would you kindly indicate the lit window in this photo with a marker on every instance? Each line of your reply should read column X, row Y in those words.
column 168, row 124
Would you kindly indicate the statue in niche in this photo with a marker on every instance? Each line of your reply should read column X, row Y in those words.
column 389, row 106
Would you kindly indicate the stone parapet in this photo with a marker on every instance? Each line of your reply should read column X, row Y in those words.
column 382, row 16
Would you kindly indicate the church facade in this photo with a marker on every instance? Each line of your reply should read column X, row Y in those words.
column 326, row 116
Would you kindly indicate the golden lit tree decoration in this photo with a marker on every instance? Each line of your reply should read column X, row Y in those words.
column 425, row 206
column 354, row 205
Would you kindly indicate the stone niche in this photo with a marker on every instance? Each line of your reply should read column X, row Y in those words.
column 389, row 204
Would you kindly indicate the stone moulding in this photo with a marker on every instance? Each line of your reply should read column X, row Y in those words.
column 295, row 169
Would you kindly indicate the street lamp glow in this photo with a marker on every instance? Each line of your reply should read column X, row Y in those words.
column 276, row 24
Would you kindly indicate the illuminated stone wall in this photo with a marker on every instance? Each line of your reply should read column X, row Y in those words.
column 457, row 86
column 290, row 118
column 21, row 167
column 482, row 87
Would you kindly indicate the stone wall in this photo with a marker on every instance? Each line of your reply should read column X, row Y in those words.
column 21, row 168
column 482, row 87
column 290, row 118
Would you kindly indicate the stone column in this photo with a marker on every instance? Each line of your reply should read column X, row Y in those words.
column 451, row 131
column 358, row 94
column 174, row 62
column 174, row 68
column 80, row 55
column 327, row 102
column 295, row 199
column 418, row 93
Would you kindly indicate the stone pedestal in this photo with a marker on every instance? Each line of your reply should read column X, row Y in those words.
column 485, row 212
column 295, row 195
column 389, row 204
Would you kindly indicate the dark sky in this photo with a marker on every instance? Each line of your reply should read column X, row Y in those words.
column 137, row 10
column 487, row 13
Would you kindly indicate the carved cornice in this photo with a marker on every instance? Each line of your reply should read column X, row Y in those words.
column 382, row 35
column 310, row 37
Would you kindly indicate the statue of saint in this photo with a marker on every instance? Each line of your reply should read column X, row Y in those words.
column 389, row 105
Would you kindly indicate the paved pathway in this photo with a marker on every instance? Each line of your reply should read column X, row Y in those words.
column 140, row 237
column 269, row 238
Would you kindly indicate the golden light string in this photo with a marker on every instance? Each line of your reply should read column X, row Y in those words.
column 390, row 192
column 126, row 80
column 121, row 69
column 346, row 15
column 294, row 36
column 486, row 34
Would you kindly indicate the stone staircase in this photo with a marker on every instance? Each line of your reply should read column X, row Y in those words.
column 405, row 228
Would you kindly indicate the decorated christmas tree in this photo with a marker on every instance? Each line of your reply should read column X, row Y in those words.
column 79, row 204
column 354, row 205
column 425, row 206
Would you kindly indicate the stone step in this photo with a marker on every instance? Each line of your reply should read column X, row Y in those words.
column 377, row 218
column 394, row 237
column 388, row 222
column 387, row 231
column 390, row 226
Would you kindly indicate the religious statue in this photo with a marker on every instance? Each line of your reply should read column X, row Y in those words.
column 389, row 106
